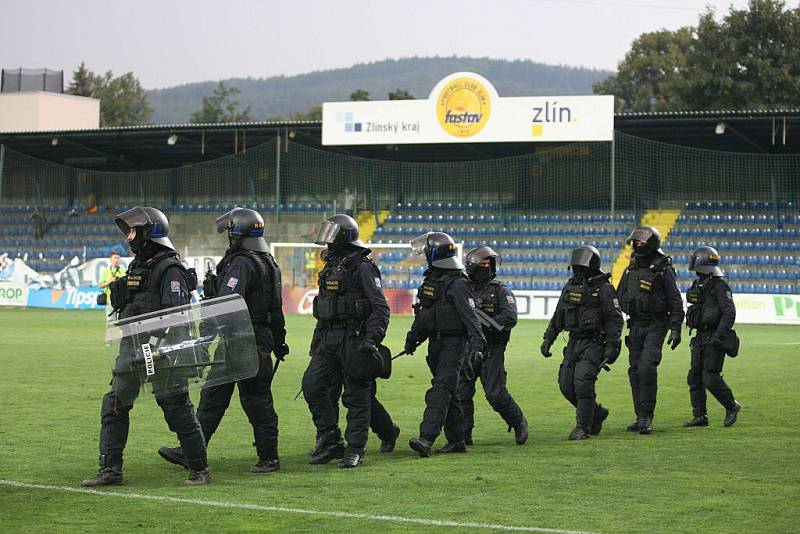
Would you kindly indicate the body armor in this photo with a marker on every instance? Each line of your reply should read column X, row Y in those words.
column 340, row 298
column 436, row 313
column 582, row 306
column 703, row 312
column 139, row 291
column 488, row 300
column 644, row 292
column 264, row 293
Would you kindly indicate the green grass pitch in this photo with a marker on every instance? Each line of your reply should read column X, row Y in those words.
column 743, row 479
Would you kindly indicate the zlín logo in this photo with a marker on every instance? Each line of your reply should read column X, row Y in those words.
column 463, row 107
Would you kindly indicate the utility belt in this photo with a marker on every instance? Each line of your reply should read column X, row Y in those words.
column 642, row 320
column 342, row 325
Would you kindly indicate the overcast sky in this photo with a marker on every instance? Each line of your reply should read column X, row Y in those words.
column 167, row 42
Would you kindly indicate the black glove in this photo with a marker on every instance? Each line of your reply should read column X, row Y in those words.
column 281, row 351
column 612, row 351
column 412, row 342
column 472, row 363
column 545, row 348
column 367, row 346
column 118, row 292
column 674, row 338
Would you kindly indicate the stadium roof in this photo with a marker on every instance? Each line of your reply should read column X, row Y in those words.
column 154, row 147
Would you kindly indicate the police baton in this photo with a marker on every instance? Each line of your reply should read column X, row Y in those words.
column 399, row 354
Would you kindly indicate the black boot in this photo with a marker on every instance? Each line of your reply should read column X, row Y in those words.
column 174, row 455
column 730, row 415
column 388, row 445
column 600, row 415
column 521, row 431
column 646, row 425
column 110, row 473
column 698, row 420
column 329, row 447
column 633, row 427
column 352, row 458
column 421, row 445
column 199, row 473
column 579, row 432
column 266, row 466
column 452, row 447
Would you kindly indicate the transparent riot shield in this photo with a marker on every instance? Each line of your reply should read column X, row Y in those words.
column 186, row 347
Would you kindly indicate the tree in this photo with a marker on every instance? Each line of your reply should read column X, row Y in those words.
column 401, row 94
column 123, row 101
column 82, row 82
column 313, row 114
column 648, row 78
column 359, row 96
column 220, row 107
column 747, row 60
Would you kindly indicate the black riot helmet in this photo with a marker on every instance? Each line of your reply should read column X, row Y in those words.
column 705, row 260
column 245, row 229
column 339, row 229
column 153, row 225
column 439, row 250
column 650, row 238
column 587, row 257
column 474, row 259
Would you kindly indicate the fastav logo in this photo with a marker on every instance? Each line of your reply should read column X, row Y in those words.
column 463, row 107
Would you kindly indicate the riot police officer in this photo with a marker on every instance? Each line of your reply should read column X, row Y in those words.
column 156, row 279
column 352, row 316
column 249, row 270
column 712, row 314
column 494, row 300
column 648, row 292
column 445, row 316
column 588, row 309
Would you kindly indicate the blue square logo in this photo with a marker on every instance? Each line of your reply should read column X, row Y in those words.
column 358, row 126
column 348, row 127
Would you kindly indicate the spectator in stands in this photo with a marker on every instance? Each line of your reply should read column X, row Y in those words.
column 38, row 223
column 110, row 273
column 349, row 202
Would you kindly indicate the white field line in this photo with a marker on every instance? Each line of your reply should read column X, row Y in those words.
column 280, row 509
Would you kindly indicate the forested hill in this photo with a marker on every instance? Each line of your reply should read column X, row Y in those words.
column 285, row 95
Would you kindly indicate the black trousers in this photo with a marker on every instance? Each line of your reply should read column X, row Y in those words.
column 645, row 342
column 255, row 396
column 577, row 377
column 706, row 374
column 380, row 422
column 492, row 373
column 323, row 373
column 442, row 409
column 178, row 413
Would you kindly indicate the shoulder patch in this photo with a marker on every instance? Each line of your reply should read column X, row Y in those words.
column 232, row 282
column 471, row 301
column 378, row 282
column 510, row 298
column 175, row 286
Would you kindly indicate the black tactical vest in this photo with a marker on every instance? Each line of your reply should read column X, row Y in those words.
column 703, row 312
column 644, row 294
column 143, row 283
column 263, row 294
column 487, row 299
column 340, row 298
column 583, row 306
column 435, row 312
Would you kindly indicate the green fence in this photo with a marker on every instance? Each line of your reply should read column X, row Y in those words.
column 640, row 174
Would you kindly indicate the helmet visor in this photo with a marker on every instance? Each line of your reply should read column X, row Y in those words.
column 639, row 234
column 419, row 244
column 582, row 257
column 133, row 217
column 327, row 233
column 223, row 221
column 478, row 255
